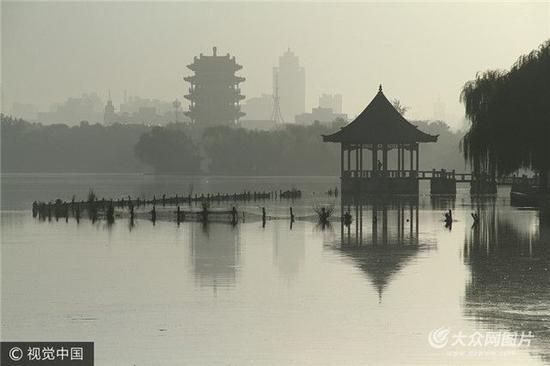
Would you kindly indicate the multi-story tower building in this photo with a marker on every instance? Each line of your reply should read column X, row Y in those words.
column 109, row 115
column 291, row 79
column 214, row 94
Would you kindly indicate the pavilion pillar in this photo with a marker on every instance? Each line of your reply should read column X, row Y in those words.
column 374, row 159
column 356, row 160
column 349, row 159
column 361, row 160
column 411, row 161
column 341, row 160
column 403, row 158
column 417, row 158
column 385, row 159
column 398, row 160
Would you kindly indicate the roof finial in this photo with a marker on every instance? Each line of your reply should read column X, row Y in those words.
column 214, row 51
column 380, row 88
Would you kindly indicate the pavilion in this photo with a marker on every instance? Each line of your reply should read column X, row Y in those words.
column 383, row 131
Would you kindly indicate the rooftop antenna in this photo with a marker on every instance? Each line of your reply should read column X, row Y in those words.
column 276, row 115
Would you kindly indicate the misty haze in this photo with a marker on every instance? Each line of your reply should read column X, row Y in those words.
column 275, row 183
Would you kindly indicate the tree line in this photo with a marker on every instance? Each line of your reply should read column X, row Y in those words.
column 510, row 117
column 85, row 148
column 180, row 148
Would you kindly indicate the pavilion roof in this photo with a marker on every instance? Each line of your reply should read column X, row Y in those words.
column 380, row 123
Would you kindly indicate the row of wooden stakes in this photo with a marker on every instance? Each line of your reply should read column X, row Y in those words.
column 63, row 210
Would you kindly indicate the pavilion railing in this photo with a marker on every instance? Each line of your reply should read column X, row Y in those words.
column 380, row 173
column 439, row 174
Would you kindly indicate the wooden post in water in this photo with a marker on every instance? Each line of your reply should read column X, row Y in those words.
column 154, row 215
column 131, row 212
column 234, row 216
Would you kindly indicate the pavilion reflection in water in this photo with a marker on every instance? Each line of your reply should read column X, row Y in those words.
column 508, row 254
column 379, row 220
column 382, row 237
column 215, row 254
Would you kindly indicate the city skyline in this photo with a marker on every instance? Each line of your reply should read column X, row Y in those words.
column 371, row 48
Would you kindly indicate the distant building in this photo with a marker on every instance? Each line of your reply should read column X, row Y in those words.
column 214, row 94
column 136, row 110
column 323, row 115
column 109, row 115
column 292, row 86
column 133, row 104
column 88, row 107
column 26, row 111
column 258, row 108
column 332, row 101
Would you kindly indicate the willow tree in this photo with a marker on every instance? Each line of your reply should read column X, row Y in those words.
column 509, row 113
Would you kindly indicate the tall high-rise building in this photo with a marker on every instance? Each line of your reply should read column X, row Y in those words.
column 291, row 84
column 214, row 92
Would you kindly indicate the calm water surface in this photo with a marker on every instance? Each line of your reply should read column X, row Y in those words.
column 193, row 295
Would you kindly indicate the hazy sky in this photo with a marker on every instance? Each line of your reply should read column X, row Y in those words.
column 418, row 51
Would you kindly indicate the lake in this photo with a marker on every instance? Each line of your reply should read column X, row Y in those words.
column 395, row 287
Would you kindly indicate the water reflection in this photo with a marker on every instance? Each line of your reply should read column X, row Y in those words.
column 288, row 249
column 443, row 202
column 379, row 221
column 215, row 254
column 508, row 253
column 381, row 237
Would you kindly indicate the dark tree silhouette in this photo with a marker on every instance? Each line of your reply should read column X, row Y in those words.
column 90, row 148
column 510, row 117
column 401, row 108
column 168, row 151
column 288, row 150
